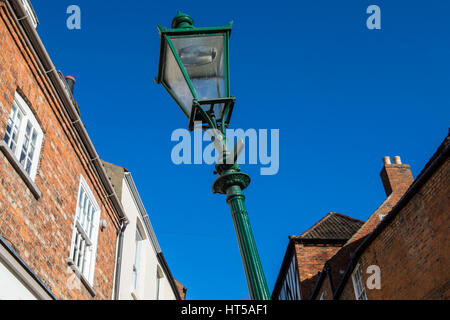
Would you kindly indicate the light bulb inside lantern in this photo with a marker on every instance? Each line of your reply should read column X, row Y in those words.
column 197, row 55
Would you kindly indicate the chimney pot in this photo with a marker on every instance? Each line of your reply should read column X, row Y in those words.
column 70, row 82
column 387, row 160
column 397, row 160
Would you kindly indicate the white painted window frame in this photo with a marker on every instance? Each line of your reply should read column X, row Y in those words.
column 89, row 273
column 290, row 287
column 27, row 117
column 358, row 283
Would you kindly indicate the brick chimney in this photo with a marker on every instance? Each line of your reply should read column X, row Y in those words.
column 396, row 177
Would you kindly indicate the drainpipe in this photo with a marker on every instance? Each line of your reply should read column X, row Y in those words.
column 123, row 226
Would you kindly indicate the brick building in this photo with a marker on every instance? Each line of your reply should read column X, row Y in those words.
column 56, row 220
column 400, row 252
column 307, row 253
column 60, row 216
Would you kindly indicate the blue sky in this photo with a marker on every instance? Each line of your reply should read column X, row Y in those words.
column 342, row 96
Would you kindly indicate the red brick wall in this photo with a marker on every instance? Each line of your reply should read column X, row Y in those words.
column 348, row 293
column 412, row 251
column 41, row 230
column 310, row 260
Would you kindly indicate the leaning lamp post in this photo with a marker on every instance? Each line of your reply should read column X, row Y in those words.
column 194, row 69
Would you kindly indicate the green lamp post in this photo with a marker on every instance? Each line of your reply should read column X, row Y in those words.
column 194, row 69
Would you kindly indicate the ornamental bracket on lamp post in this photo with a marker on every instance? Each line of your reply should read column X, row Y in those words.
column 194, row 69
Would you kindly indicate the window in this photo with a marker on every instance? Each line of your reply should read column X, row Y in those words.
column 137, row 259
column 290, row 289
column 85, row 233
column 358, row 284
column 24, row 136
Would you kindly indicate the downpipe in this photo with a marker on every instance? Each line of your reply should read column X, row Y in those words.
column 123, row 226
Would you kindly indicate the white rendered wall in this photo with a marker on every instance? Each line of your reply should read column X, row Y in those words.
column 147, row 282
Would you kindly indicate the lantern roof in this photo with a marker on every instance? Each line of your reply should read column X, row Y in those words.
column 184, row 24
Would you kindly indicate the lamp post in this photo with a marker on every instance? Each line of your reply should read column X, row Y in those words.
column 194, row 69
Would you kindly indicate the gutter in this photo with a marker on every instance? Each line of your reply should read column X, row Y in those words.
column 170, row 277
column 142, row 211
column 432, row 166
column 319, row 241
column 47, row 67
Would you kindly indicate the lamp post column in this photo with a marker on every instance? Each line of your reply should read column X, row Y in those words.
column 231, row 182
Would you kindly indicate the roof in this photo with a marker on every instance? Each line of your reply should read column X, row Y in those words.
column 334, row 226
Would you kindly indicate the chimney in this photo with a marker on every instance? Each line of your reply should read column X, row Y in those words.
column 70, row 83
column 396, row 177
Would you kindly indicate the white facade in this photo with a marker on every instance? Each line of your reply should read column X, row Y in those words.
column 142, row 275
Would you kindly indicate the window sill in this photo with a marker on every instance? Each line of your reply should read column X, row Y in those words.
column 22, row 173
column 82, row 278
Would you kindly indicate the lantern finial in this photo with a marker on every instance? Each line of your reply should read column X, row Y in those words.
column 182, row 21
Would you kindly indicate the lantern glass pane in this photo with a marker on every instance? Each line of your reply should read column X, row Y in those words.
column 218, row 110
column 174, row 79
column 203, row 60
